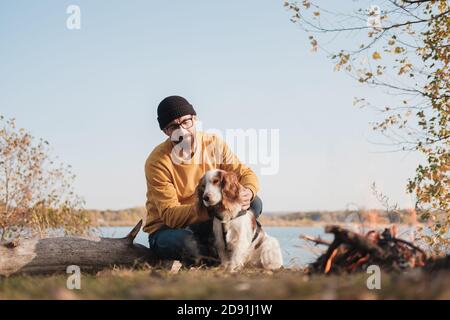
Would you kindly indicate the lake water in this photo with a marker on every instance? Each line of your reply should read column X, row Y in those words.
column 296, row 252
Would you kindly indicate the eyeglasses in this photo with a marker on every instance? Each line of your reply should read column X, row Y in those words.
column 185, row 124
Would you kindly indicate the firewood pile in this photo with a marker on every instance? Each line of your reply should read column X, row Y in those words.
column 352, row 252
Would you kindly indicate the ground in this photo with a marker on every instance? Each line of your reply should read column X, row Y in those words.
column 215, row 284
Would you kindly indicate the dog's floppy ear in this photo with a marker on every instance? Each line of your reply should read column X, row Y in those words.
column 199, row 190
column 230, row 189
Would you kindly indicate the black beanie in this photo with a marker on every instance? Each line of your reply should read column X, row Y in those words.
column 172, row 108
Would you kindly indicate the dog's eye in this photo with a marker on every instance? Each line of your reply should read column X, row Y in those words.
column 215, row 181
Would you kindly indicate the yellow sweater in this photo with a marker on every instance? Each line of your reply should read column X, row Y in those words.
column 171, row 198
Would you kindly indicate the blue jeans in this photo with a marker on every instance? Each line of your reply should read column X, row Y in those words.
column 192, row 245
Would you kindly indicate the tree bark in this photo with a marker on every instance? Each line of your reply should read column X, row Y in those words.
column 54, row 255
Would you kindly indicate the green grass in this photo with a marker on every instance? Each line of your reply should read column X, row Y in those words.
column 215, row 284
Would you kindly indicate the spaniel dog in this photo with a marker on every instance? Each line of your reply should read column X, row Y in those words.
column 239, row 238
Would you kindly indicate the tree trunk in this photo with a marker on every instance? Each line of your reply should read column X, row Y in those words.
column 52, row 255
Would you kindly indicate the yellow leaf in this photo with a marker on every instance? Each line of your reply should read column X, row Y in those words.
column 376, row 55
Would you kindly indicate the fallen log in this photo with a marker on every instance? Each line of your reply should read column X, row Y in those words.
column 54, row 255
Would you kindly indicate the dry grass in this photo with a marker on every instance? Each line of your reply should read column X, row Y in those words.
column 215, row 284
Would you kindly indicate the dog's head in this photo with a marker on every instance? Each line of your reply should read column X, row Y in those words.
column 219, row 187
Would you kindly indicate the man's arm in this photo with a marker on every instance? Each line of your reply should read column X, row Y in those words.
column 230, row 162
column 162, row 192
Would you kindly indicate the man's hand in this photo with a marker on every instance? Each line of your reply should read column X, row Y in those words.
column 245, row 196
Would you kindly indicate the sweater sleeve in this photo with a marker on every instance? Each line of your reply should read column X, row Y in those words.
column 163, row 194
column 230, row 162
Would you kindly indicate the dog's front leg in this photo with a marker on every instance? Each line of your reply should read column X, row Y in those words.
column 220, row 244
column 239, row 255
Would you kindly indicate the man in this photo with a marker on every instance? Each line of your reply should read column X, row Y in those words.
column 178, row 229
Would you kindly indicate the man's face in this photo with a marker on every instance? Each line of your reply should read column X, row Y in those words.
column 181, row 129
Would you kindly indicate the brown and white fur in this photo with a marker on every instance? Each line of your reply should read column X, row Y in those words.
column 235, row 233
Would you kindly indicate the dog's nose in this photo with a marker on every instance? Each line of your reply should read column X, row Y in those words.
column 206, row 197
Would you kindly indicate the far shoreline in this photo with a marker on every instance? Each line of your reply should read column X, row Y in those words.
column 363, row 217
column 284, row 224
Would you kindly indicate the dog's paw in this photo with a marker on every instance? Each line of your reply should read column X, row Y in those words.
column 234, row 267
column 233, row 270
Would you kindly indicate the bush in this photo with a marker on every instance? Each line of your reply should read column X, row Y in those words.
column 36, row 194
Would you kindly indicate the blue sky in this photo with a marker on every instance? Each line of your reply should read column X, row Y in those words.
column 93, row 94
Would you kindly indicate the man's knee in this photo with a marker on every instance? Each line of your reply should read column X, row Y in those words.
column 175, row 244
column 257, row 206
